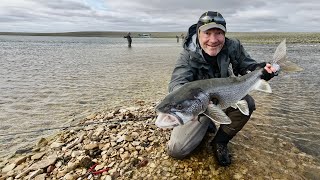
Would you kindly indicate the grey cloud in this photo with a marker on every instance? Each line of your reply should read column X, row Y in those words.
column 155, row 15
column 63, row 4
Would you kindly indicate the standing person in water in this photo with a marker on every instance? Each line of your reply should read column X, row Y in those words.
column 208, row 53
column 128, row 36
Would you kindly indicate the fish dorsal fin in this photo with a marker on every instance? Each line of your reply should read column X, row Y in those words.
column 263, row 86
column 217, row 115
column 242, row 105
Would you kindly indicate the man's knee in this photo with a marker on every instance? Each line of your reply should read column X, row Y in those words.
column 177, row 151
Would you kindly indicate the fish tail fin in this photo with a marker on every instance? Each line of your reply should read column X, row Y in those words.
column 281, row 52
column 263, row 86
column 280, row 59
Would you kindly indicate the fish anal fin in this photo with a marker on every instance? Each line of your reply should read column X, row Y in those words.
column 242, row 105
column 263, row 86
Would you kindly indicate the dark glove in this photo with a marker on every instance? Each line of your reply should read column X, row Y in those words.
column 267, row 76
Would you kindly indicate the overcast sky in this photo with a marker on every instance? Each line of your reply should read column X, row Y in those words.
column 156, row 15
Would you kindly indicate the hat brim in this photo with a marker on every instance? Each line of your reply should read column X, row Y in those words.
column 211, row 25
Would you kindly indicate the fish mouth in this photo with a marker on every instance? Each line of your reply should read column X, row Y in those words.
column 165, row 120
column 172, row 119
column 178, row 118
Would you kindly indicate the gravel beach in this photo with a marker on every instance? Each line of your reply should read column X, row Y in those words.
column 125, row 144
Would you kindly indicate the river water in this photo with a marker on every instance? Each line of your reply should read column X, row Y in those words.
column 47, row 82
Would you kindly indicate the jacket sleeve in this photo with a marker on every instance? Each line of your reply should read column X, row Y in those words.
column 182, row 72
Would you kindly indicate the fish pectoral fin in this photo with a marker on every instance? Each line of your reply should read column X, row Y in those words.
column 217, row 115
column 263, row 86
column 242, row 105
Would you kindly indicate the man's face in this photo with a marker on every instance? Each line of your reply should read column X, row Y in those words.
column 212, row 41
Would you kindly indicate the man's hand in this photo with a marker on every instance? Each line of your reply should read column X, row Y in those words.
column 268, row 72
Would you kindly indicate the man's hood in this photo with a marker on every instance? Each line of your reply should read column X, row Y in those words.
column 191, row 42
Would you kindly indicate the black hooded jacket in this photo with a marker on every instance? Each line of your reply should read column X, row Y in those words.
column 192, row 66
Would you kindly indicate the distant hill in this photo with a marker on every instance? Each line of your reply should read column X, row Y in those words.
column 98, row 34
column 246, row 37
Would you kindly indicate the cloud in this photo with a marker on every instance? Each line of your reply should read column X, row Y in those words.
column 155, row 15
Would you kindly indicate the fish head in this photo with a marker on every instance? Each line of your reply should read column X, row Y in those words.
column 180, row 107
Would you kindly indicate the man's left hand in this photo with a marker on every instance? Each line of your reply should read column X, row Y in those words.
column 268, row 72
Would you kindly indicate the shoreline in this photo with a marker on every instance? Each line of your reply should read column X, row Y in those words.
column 245, row 37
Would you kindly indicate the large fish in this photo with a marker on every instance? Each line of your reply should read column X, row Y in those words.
column 192, row 99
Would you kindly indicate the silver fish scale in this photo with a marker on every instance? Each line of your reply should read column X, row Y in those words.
column 231, row 93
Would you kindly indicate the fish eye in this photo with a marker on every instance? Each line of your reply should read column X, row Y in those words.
column 179, row 106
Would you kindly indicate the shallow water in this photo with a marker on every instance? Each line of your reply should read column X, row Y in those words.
column 293, row 109
column 47, row 82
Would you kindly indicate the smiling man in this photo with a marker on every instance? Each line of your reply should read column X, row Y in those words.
column 209, row 54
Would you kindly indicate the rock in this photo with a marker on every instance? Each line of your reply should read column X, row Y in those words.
column 125, row 155
column 91, row 146
column 143, row 163
column 99, row 167
column 120, row 139
column 35, row 173
column 76, row 153
column 291, row 164
column 99, row 131
column 56, row 145
column 91, row 116
column 111, row 164
column 20, row 167
column 42, row 142
column 23, row 174
column 40, row 177
column 21, row 160
column 44, row 163
column 238, row 176
column 38, row 156
column 8, row 168
column 108, row 177
column 135, row 134
column 86, row 162
column 125, row 138
column 72, row 166
column 69, row 176
column 51, row 168
column 136, row 143
column 152, row 165
column 75, row 142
